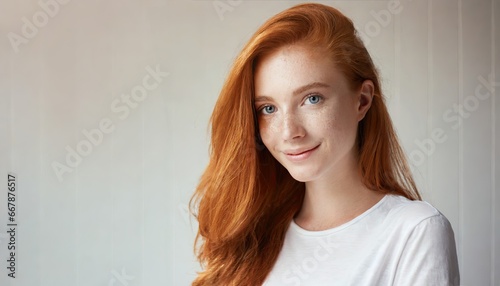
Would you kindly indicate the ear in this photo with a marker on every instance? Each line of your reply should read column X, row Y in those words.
column 365, row 97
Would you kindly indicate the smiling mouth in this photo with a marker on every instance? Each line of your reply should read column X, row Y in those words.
column 299, row 153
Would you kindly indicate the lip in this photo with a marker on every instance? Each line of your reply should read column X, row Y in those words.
column 299, row 154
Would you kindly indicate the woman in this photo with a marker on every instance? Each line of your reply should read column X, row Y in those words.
column 307, row 183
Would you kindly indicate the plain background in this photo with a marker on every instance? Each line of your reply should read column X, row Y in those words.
column 120, row 218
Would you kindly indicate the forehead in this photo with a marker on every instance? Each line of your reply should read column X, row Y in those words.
column 293, row 66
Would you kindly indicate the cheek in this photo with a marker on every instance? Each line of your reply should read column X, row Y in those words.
column 323, row 122
column 346, row 130
column 265, row 132
column 334, row 123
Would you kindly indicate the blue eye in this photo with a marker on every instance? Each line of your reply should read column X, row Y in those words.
column 268, row 109
column 313, row 99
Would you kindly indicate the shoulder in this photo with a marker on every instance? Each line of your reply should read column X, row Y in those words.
column 413, row 217
column 412, row 213
column 425, row 230
column 429, row 243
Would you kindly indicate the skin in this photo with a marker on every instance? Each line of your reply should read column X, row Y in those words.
column 294, row 118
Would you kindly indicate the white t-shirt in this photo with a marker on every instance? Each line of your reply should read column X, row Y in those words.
column 395, row 242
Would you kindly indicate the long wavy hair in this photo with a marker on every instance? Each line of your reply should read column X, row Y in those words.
column 246, row 199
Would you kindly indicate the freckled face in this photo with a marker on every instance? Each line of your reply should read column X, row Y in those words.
column 307, row 113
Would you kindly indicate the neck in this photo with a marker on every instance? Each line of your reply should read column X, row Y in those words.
column 336, row 198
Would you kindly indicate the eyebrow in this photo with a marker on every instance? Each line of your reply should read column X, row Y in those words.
column 295, row 92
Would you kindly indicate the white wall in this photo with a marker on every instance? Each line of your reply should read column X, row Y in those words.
column 119, row 217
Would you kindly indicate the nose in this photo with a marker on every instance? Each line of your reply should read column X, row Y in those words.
column 292, row 127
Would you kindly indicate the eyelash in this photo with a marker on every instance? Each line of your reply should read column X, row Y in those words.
column 315, row 95
column 261, row 109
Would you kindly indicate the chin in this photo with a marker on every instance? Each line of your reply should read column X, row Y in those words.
column 303, row 175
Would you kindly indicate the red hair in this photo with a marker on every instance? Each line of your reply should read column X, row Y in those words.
column 246, row 199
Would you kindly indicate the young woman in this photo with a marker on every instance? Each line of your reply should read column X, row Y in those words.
column 307, row 183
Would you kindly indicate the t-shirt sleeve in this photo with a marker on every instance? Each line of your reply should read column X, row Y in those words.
column 430, row 256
